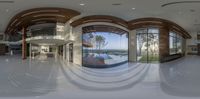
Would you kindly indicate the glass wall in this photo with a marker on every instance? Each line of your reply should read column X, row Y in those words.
column 175, row 43
column 148, row 45
column 48, row 31
column 104, row 49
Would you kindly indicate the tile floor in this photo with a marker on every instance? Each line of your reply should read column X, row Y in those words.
column 54, row 79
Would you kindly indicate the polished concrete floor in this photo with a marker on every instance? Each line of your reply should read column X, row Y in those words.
column 54, row 79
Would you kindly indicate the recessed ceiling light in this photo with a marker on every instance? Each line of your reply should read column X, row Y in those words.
column 133, row 8
column 7, row 10
column 192, row 10
column 116, row 4
column 180, row 12
column 82, row 4
column 6, row 1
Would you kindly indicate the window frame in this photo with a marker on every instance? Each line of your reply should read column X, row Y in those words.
column 176, row 39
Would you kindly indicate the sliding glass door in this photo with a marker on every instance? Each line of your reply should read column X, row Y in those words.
column 142, row 45
column 148, row 45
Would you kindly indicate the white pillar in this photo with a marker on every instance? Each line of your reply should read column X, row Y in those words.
column 30, row 51
column 56, row 53
column 132, row 46
column 63, row 54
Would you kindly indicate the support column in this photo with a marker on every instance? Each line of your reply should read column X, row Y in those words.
column 30, row 51
column 198, row 48
column 132, row 46
column 24, row 56
column 164, row 43
column 63, row 47
column 56, row 53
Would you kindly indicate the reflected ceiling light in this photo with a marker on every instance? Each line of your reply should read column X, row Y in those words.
column 82, row 4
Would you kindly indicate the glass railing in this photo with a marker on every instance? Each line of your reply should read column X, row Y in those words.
column 46, row 37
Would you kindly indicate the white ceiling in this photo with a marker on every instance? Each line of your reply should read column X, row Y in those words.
column 180, row 13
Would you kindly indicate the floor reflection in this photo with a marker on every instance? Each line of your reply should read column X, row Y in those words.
column 50, row 79
column 26, row 78
column 109, row 79
column 181, row 77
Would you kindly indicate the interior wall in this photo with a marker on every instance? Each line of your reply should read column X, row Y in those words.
column 60, row 29
column 193, row 40
column 191, row 43
column 65, row 30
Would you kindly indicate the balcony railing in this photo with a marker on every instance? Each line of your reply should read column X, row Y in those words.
column 58, row 37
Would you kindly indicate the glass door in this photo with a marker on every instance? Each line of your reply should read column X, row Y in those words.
column 142, row 46
column 153, row 45
column 148, row 45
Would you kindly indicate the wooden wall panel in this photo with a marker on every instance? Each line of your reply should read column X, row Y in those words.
column 100, row 18
column 2, row 49
column 134, row 24
column 164, row 43
column 198, row 47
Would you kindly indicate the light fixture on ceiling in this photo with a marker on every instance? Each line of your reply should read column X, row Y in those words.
column 7, row 10
column 196, row 20
column 6, row 1
column 116, row 4
column 180, row 12
column 133, row 8
column 82, row 4
column 192, row 10
column 180, row 2
column 197, row 24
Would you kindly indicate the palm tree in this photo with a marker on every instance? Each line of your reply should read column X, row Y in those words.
column 100, row 42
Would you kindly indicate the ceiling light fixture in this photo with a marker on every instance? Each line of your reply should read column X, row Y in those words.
column 116, row 4
column 180, row 12
column 6, row 1
column 82, row 4
column 133, row 8
column 7, row 10
column 192, row 10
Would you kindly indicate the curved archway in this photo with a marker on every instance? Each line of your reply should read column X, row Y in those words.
column 133, row 24
column 39, row 16
column 100, row 18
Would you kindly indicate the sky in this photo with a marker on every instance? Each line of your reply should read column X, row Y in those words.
column 115, row 41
